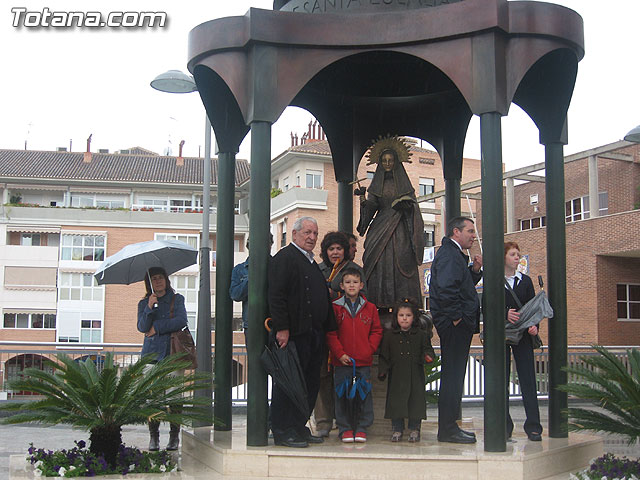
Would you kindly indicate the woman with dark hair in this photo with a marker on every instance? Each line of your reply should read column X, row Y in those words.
column 334, row 250
column 521, row 286
column 160, row 313
column 391, row 219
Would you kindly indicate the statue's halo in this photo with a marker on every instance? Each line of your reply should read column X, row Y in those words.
column 389, row 142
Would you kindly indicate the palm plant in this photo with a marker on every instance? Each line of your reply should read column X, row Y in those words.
column 606, row 382
column 102, row 402
column 432, row 373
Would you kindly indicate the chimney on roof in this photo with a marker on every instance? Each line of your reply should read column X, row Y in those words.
column 87, row 154
column 180, row 159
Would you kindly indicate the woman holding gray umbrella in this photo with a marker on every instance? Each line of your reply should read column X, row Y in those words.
column 520, row 285
column 160, row 313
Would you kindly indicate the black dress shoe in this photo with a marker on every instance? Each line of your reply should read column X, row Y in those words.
column 457, row 437
column 468, row 433
column 314, row 439
column 534, row 437
column 291, row 441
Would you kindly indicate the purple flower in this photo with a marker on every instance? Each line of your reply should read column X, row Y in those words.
column 81, row 444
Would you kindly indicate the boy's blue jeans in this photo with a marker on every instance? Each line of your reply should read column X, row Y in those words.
column 365, row 407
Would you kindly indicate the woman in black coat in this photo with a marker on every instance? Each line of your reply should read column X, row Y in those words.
column 522, row 286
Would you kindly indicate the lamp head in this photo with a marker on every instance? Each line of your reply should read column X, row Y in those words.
column 174, row 81
column 633, row 135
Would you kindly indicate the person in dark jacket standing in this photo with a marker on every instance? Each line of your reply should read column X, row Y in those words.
column 160, row 313
column 456, row 310
column 301, row 313
column 522, row 287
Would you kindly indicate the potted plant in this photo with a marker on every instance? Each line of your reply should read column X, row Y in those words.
column 102, row 402
column 605, row 381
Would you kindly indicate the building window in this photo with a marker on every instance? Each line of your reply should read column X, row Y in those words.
column 84, row 201
column 578, row 208
column 285, row 184
column 69, row 339
column 426, row 186
column 314, row 179
column 86, row 248
column 91, row 331
column 154, row 203
column 30, row 239
column 429, row 240
column 628, row 302
column 283, row 238
column 187, row 286
column 30, row 320
column 79, row 286
column 536, row 222
column 179, row 205
column 191, row 240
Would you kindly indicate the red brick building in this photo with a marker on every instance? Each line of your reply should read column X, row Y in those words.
column 603, row 248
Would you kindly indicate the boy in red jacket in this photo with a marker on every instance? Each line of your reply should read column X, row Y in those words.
column 358, row 336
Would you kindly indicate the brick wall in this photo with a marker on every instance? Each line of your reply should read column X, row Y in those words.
column 600, row 252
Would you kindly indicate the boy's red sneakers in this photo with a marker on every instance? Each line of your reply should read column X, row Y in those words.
column 347, row 436
column 360, row 437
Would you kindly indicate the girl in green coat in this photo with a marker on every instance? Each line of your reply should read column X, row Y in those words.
column 403, row 353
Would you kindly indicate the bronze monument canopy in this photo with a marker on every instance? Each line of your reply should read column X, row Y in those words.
column 418, row 68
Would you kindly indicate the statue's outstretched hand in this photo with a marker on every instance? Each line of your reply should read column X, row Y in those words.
column 360, row 191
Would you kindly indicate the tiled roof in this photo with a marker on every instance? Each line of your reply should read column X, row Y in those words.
column 321, row 147
column 109, row 167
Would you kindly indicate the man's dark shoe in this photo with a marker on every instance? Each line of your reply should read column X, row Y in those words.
column 534, row 437
column 290, row 441
column 468, row 433
column 314, row 439
column 457, row 437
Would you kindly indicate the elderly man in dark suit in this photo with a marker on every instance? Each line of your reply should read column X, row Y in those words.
column 301, row 313
column 456, row 310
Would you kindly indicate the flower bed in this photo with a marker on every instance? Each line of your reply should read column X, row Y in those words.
column 80, row 462
column 610, row 467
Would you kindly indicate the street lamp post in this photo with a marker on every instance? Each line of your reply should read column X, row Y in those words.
column 174, row 81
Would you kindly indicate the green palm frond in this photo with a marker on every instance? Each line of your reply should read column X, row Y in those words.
column 608, row 383
column 78, row 394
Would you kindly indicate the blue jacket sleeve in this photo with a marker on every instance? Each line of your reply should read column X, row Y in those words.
column 175, row 323
column 239, row 288
column 145, row 316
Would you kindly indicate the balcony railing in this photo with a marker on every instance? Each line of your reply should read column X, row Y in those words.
column 14, row 358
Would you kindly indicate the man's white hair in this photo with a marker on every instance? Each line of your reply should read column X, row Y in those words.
column 297, row 226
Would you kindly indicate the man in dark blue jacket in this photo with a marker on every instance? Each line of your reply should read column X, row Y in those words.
column 301, row 313
column 456, row 310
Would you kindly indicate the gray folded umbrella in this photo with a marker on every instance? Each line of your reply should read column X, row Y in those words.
column 531, row 314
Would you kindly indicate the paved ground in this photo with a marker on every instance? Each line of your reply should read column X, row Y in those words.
column 15, row 439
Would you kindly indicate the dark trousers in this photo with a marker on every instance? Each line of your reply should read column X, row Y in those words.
column 523, row 356
column 286, row 418
column 397, row 424
column 454, row 344
column 353, row 414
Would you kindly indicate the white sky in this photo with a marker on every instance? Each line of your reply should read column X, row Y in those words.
column 60, row 85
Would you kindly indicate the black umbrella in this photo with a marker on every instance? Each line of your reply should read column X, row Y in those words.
column 284, row 367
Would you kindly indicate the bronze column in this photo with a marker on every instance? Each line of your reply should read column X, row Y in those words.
column 224, row 305
column 259, row 211
column 495, row 434
column 557, row 287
